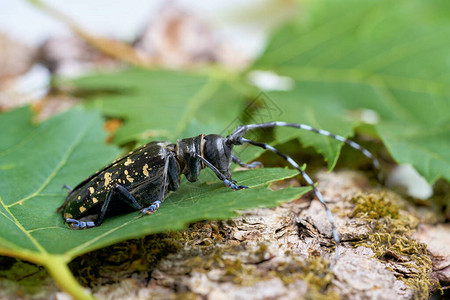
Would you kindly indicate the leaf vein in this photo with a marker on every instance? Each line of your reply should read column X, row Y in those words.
column 60, row 165
column 196, row 101
column 20, row 226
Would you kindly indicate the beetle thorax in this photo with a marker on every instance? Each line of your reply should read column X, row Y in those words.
column 186, row 148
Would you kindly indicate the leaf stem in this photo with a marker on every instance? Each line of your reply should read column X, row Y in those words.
column 57, row 267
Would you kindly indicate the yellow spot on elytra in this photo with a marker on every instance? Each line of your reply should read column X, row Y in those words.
column 129, row 178
column 91, row 190
column 67, row 215
column 128, row 162
column 82, row 208
column 126, row 172
column 79, row 197
column 94, row 200
column 145, row 170
column 107, row 178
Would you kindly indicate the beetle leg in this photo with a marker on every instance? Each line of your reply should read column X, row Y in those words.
column 117, row 189
column 77, row 224
column 173, row 174
column 233, row 185
column 310, row 183
column 166, row 181
column 127, row 198
column 67, row 187
column 59, row 209
column 152, row 208
column 228, row 181
column 253, row 165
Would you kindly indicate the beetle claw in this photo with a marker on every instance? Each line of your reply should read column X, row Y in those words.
column 152, row 208
column 231, row 184
column 77, row 224
column 255, row 164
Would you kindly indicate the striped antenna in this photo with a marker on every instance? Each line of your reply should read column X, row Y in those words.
column 241, row 130
column 237, row 139
column 310, row 183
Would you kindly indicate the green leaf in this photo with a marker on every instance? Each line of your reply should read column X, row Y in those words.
column 33, row 171
column 35, row 161
column 409, row 144
column 69, row 147
column 16, row 127
column 167, row 105
column 388, row 57
column 303, row 105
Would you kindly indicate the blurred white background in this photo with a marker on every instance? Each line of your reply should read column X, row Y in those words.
column 242, row 26
column 123, row 20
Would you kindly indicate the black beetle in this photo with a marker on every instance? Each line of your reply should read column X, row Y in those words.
column 142, row 179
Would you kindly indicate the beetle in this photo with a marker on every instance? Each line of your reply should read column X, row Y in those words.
column 142, row 179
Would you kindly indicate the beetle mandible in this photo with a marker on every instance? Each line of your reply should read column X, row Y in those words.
column 142, row 179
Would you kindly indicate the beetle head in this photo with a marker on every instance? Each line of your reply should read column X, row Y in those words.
column 218, row 151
